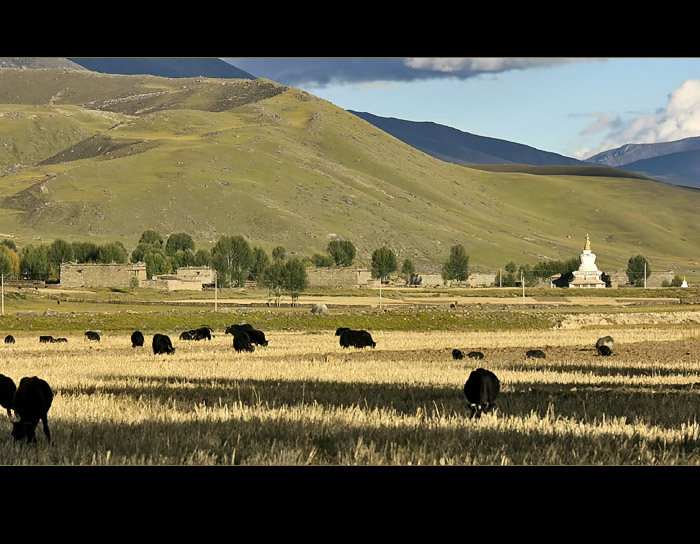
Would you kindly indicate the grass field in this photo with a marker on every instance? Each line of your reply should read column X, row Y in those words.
column 303, row 400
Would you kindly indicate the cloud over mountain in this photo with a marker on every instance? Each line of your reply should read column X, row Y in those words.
column 325, row 71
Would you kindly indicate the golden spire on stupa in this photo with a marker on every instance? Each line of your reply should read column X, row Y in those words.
column 587, row 247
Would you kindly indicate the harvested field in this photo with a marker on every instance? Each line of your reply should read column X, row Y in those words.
column 304, row 400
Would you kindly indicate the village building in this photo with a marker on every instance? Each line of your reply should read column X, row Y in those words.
column 186, row 278
column 102, row 275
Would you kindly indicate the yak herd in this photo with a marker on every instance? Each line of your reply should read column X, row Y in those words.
column 32, row 399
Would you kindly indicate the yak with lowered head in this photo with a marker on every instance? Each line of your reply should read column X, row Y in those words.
column 481, row 390
column 32, row 401
column 162, row 344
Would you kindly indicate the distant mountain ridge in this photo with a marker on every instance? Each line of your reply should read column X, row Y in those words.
column 676, row 162
column 456, row 146
column 163, row 67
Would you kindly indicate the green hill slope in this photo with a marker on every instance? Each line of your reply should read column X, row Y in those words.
column 85, row 155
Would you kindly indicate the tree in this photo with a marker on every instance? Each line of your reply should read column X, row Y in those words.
column 408, row 270
column 294, row 278
column 232, row 258
column 180, row 241
column 383, row 263
column 9, row 243
column 457, row 265
column 279, row 253
column 157, row 263
column 273, row 278
column 202, row 257
column 322, row 260
column 151, row 237
column 112, row 252
column 181, row 258
column 260, row 263
column 34, row 262
column 85, row 252
column 12, row 266
column 635, row 270
column 59, row 252
column 342, row 251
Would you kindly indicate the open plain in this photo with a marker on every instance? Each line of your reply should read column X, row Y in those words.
column 305, row 400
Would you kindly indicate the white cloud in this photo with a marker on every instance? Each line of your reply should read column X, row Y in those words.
column 470, row 65
column 679, row 119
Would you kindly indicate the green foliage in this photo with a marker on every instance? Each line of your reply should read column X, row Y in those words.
column 9, row 243
column 457, row 265
column 112, row 252
column 322, row 260
column 294, row 278
column 677, row 281
column 85, row 252
column 342, row 251
column 279, row 253
column 232, row 258
column 635, row 270
column 383, row 263
column 180, row 241
column 202, row 257
column 34, row 262
column 5, row 264
column 260, row 262
column 408, row 270
column 157, row 262
column 182, row 258
column 273, row 278
column 151, row 237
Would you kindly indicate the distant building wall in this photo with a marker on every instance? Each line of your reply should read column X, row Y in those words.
column 203, row 274
column 102, row 275
column 340, row 277
column 656, row 279
column 481, row 280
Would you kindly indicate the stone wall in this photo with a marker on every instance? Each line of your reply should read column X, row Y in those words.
column 655, row 279
column 202, row 274
column 340, row 277
column 101, row 275
column 481, row 280
column 172, row 283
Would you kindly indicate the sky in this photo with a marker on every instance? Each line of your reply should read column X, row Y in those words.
column 572, row 106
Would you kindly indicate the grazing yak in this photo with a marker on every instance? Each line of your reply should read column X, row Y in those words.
column 197, row 334
column 481, row 390
column 457, row 354
column 32, row 401
column 161, row 344
column 605, row 341
column 9, row 339
column 536, row 354
column 92, row 335
column 45, row 339
column 7, row 393
column 255, row 336
column 475, row 355
column 137, row 339
column 355, row 338
column 605, row 351
column 242, row 342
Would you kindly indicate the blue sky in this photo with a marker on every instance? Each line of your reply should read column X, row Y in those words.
column 572, row 106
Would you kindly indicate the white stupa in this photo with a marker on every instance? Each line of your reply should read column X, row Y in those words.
column 587, row 275
column 685, row 283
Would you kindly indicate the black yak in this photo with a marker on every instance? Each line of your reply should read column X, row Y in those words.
column 481, row 390
column 9, row 339
column 162, row 344
column 475, row 355
column 604, row 350
column 605, row 341
column 32, row 401
column 535, row 353
column 137, row 339
column 357, row 339
column 242, row 342
column 92, row 335
column 457, row 354
column 7, row 393
column 256, row 336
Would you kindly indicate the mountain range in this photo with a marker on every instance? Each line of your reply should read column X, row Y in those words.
column 107, row 156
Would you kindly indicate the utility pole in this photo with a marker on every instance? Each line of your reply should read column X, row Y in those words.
column 216, row 287
column 645, row 274
column 380, row 292
column 500, row 278
column 522, row 282
column 2, row 288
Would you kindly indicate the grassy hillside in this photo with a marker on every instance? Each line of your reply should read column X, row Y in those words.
column 103, row 157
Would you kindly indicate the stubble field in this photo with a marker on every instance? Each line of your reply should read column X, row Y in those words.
column 304, row 400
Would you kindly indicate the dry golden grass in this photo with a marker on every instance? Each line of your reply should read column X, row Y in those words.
column 305, row 400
